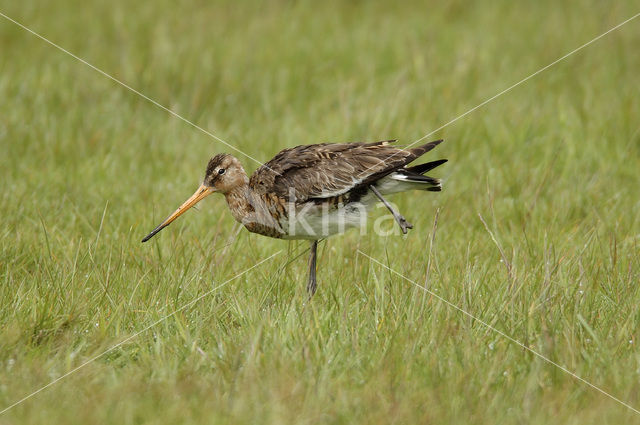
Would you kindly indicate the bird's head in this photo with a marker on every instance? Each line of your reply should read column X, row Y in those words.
column 224, row 173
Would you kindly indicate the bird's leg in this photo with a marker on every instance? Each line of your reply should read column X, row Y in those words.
column 311, row 284
column 402, row 222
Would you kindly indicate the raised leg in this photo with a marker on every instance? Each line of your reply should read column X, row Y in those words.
column 311, row 284
column 402, row 222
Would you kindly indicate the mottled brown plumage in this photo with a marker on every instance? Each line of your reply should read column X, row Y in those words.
column 330, row 169
column 314, row 191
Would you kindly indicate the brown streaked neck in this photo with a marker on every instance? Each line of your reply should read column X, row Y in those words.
column 253, row 212
column 238, row 200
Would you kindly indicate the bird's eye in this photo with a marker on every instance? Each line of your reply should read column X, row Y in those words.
column 221, row 171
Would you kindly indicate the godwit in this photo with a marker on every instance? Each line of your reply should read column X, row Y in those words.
column 314, row 191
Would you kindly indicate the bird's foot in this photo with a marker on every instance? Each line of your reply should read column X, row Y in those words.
column 403, row 223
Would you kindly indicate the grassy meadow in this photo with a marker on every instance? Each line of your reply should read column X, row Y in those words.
column 87, row 168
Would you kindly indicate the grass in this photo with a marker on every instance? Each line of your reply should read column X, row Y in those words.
column 88, row 168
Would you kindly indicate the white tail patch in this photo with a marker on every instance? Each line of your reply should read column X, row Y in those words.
column 398, row 176
column 400, row 182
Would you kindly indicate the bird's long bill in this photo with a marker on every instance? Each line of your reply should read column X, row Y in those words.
column 202, row 192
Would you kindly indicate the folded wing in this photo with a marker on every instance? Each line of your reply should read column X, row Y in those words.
column 327, row 170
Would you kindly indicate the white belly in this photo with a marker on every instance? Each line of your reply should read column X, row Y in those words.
column 317, row 222
column 313, row 224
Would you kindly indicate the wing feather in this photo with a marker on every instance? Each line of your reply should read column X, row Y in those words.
column 327, row 170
